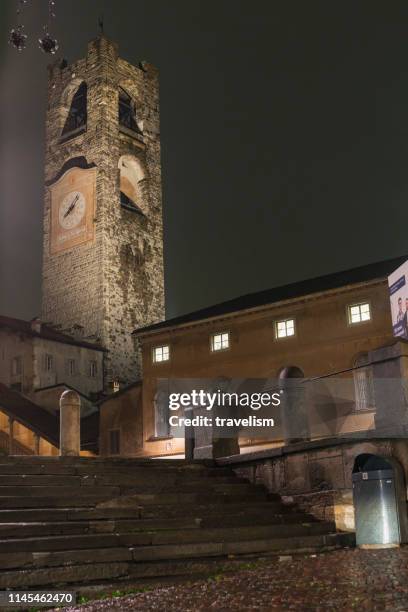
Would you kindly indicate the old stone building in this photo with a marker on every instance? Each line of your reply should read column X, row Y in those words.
column 35, row 359
column 37, row 364
column 318, row 328
column 103, row 246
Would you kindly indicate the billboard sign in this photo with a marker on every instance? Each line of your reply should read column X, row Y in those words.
column 398, row 287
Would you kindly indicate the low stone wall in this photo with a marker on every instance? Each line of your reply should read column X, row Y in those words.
column 316, row 475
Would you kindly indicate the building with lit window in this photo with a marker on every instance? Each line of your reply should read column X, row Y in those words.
column 321, row 327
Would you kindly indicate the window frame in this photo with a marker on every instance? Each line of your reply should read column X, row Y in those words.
column 355, row 304
column 68, row 129
column 285, row 320
column 160, row 346
column 93, row 368
column 49, row 362
column 127, row 113
column 222, row 349
column 18, row 360
column 72, row 367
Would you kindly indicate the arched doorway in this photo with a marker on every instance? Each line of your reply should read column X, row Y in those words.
column 295, row 422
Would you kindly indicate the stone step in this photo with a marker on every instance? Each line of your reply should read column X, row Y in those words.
column 40, row 529
column 160, row 537
column 125, row 525
column 142, row 479
column 88, row 499
column 28, row 515
column 68, row 491
column 209, row 549
column 77, row 520
column 153, row 488
column 212, row 507
column 226, row 489
column 161, row 480
column 109, row 472
column 207, row 511
column 77, row 567
column 201, row 497
column 44, row 480
column 56, row 465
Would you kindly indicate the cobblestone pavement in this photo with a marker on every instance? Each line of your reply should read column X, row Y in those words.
column 342, row 580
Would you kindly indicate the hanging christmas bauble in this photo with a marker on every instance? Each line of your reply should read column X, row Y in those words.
column 18, row 38
column 48, row 44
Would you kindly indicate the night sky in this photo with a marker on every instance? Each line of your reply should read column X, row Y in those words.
column 284, row 138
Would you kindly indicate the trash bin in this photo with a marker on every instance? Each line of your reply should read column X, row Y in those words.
column 379, row 498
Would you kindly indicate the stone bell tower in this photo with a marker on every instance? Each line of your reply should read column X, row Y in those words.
column 103, row 231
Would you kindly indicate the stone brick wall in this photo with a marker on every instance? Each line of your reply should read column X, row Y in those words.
column 318, row 476
column 114, row 284
column 34, row 375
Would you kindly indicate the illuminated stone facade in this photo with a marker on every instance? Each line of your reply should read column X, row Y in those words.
column 104, row 288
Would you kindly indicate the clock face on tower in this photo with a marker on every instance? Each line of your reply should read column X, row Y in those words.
column 72, row 209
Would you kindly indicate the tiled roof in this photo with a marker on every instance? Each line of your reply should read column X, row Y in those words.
column 46, row 332
column 286, row 292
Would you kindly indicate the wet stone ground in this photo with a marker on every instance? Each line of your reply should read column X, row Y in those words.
column 348, row 579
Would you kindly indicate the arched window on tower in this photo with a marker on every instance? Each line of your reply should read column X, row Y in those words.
column 127, row 112
column 77, row 115
column 131, row 184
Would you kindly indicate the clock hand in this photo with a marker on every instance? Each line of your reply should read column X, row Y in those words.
column 72, row 206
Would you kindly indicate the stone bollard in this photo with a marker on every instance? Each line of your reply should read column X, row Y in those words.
column 70, row 424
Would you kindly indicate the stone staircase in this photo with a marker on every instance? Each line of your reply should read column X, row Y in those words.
column 81, row 521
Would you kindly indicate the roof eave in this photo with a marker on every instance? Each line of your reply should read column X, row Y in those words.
column 140, row 333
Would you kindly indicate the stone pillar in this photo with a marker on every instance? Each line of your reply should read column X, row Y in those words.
column 70, row 424
column 390, row 367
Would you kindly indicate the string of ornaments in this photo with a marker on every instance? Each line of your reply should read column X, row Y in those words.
column 18, row 38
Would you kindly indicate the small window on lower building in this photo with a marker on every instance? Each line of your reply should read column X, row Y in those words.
column 285, row 328
column 71, row 367
column 161, row 353
column 49, row 363
column 16, row 366
column 93, row 369
column 220, row 342
column 114, row 442
column 358, row 313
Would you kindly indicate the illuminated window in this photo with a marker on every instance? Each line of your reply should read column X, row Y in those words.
column 93, row 369
column 161, row 353
column 285, row 328
column 220, row 342
column 358, row 313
